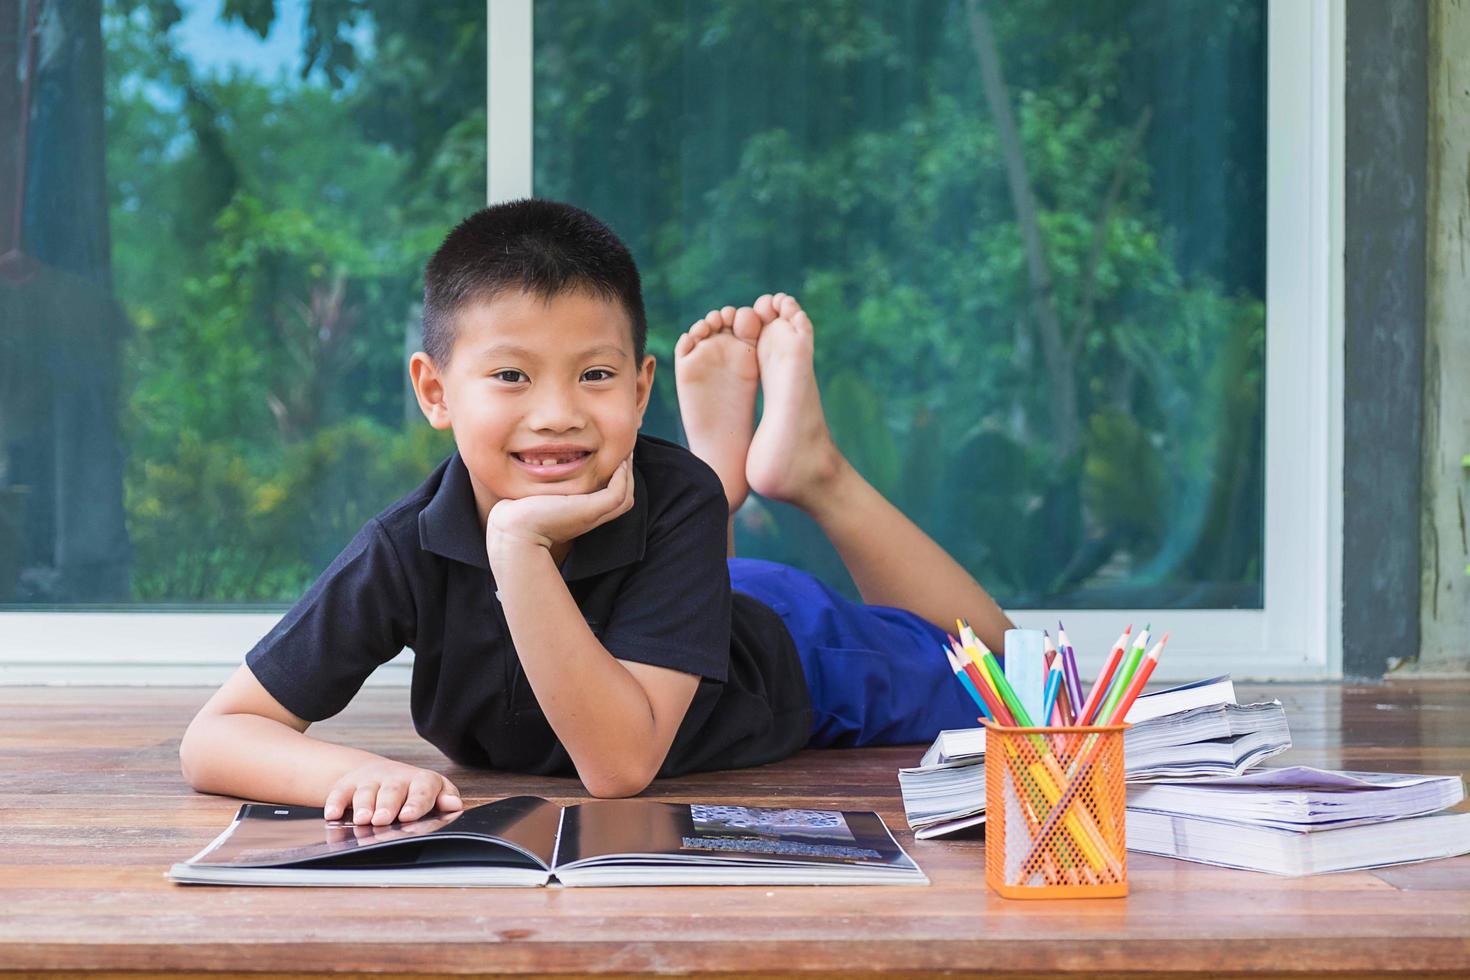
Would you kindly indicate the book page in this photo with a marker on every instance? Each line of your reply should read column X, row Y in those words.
column 695, row 833
column 265, row 835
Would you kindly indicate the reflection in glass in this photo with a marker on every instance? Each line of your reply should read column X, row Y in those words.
column 229, row 207
column 1030, row 235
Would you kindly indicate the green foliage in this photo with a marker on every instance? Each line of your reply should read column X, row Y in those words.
column 269, row 236
column 215, row 520
column 268, row 245
column 878, row 193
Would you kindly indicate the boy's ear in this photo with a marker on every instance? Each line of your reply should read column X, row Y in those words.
column 428, row 388
column 644, row 384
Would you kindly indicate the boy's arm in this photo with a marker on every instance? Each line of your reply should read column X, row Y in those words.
column 244, row 743
column 616, row 718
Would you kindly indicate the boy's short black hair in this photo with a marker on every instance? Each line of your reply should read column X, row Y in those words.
column 544, row 248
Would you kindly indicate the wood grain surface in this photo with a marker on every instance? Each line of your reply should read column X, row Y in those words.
column 94, row 810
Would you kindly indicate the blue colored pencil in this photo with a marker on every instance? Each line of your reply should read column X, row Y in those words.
column 959, row 673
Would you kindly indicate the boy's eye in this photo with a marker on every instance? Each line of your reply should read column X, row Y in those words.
column 597, row 371
column 510, row 376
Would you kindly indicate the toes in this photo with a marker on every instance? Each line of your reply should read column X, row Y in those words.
column 765, row 308
column 700, row 330
column 747, row 325
column 727, row 315
column 714, row 320
column 683, row 345
column 788, row 306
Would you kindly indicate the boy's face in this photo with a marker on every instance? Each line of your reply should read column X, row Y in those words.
column 530, row 381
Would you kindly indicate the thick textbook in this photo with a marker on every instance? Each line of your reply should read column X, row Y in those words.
column 1303, row 798
column 528, row 841
column 1299, row 820
column 1296, row 853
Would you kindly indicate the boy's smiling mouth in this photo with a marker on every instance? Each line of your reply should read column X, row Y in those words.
column 551, row 460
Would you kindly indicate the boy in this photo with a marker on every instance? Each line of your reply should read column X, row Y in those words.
column 564, row 581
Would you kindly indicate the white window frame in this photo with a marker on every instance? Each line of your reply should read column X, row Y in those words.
column 1296, row 636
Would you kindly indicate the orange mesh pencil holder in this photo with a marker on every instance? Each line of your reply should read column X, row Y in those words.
column 1054, row 806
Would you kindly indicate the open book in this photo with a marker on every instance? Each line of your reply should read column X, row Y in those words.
column 525, row 840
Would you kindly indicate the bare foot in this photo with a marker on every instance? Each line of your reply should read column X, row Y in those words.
column 716, row 374
column 792, row 455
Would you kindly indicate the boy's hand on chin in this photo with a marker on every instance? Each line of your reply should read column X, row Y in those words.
column 547, row 519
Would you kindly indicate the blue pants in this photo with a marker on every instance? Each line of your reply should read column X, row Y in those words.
column 877, row 675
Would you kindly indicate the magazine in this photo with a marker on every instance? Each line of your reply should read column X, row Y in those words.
column 528, row 841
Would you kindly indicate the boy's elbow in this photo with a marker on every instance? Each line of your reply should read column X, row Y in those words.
column 194, row 753
column 616, row 787
column 187, row 755
column 618, row 784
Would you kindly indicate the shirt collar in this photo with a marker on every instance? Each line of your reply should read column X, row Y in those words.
column 449, row 525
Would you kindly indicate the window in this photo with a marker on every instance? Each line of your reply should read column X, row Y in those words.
column 1089, row 358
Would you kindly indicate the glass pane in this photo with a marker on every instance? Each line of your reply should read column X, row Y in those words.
column 1046, row 349
column 226, row 213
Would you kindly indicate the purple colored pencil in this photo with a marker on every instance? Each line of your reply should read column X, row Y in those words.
column 1070, row 677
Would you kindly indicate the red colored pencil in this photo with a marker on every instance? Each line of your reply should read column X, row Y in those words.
column 1100, row 686
column 998, row 709
column 1140, row 678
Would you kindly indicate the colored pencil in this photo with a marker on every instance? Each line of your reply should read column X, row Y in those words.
column 992, row 696
column 1002, row 686
column 1100, row 686
column 1049, row 701
column 1065, row 713
column 1136, row 685
column 1079, row 772
column 973, row 639
column 1070, row 677
column 1124, row 675
column 966, row 683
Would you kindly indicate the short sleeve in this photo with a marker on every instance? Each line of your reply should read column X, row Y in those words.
column 358, row 615
column 673, row 610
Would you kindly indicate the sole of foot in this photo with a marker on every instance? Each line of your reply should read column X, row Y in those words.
column 717, row 375
column 792, row 454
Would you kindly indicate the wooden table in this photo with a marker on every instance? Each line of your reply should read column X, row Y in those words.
column 94, row 810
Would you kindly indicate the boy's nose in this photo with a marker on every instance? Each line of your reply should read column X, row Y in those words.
column 555, row 411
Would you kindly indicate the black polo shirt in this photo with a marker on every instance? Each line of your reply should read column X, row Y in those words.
column 652, row 584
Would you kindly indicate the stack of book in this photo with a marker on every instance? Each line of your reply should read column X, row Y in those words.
column 1300, row 821
column 1188, row 732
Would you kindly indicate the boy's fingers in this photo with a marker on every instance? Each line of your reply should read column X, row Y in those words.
column 616, row 485
column 335, row 803
column 625, row 487
column 390, row 801
column 362, row 802
column 421, row 793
